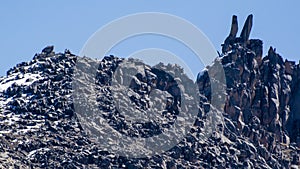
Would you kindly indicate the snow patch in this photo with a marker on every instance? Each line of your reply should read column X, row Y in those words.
column 201, row 73
column 31, row 153
column 19, row 80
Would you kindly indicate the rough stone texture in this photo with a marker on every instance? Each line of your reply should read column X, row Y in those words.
column 39, row 129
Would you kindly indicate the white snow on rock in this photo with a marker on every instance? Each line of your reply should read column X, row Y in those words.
column 202, row 72
column 19, row 80
column 31, row 153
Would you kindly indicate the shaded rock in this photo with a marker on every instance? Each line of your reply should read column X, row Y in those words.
column 47, row 50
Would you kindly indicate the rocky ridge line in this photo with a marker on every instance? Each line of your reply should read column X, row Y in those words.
column 39, row 128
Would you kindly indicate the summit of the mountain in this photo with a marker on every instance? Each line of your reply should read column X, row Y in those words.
column 39, row 127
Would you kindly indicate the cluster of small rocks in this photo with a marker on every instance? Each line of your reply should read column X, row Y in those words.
column 39, row 127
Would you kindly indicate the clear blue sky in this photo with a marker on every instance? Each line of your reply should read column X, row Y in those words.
column 26, row 27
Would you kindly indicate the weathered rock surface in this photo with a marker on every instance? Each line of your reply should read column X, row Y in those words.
column 261, row 129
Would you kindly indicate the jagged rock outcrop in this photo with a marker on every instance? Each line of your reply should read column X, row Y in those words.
column 261, row 92
column 244, row 36
column 40, row 129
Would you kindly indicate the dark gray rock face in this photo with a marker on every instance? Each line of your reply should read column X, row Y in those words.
column 48, row 49
column 261, row 129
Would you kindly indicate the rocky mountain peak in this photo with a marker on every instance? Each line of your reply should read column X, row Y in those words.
column 261, row 91
column 39, row 127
